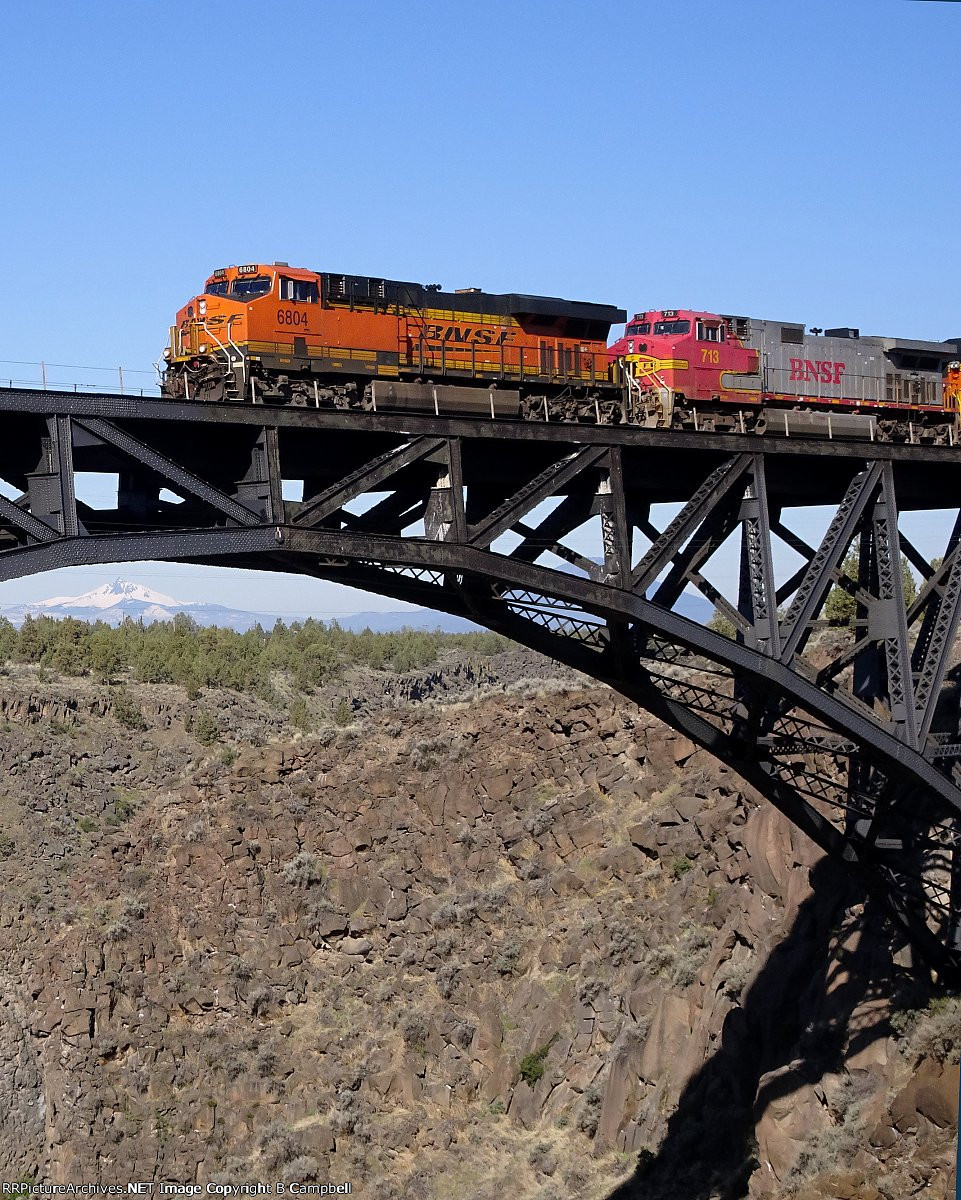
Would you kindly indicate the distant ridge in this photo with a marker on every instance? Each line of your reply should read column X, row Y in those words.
column 117, row 601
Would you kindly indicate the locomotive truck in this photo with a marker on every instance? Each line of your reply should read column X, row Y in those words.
column 275, row 334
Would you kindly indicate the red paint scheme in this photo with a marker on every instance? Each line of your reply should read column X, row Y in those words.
column 682, row 361
column 805, row 371
column 698, row 355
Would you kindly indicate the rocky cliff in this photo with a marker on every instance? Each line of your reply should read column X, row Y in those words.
column 528, row 941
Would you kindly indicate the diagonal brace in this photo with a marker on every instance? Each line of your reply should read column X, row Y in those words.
column 541, row 487
column 819, row 574
column 713, row 489
column 365, row 479
column 32, row 526
column 171, row 472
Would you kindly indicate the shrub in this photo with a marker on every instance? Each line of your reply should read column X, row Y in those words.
column 590, row 1113
column 532, row 1065
column 680, row 867
column 682, row 959
column 124, row 802
column 127, row 711
column 205, row 728
column 447, row 980
column 414, row 1029
column 118, row 929
column 279, row 1146
column 303, row 870
column 300, row 714
column 722, row 624
column 933, row 1032
column 259, row 999
column 543, row 1158
column 506, row 960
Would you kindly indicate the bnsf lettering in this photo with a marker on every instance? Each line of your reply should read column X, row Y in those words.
column 470, row 336
column 805, row 371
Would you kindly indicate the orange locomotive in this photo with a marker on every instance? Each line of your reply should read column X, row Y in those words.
column 282, row 335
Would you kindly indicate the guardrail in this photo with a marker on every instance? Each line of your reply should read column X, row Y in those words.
column 111, row 379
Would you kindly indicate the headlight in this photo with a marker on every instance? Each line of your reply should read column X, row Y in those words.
column 166, row 354
column 202, row 348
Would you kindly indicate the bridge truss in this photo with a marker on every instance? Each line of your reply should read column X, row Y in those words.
column 854, row 735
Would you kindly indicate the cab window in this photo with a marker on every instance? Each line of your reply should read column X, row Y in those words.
column 217, row 287
column 298, row 289
column 709, row 332
column 250, row 287
column 638, row 327
column 675, row 328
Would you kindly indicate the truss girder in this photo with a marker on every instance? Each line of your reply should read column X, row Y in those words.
column 857, row 738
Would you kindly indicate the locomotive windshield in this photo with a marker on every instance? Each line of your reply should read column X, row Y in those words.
column 249, row 288
column 675, row 327
column 638, row 327
column 217, row 287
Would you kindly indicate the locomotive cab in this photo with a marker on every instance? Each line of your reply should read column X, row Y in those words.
column 211, row 349
column 673, row 355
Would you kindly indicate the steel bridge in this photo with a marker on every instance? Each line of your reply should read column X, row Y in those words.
column 855, row 737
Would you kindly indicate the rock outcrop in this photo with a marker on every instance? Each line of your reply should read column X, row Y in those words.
column 528, row 942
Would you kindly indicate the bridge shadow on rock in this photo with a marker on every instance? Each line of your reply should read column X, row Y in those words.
column 794, row 1025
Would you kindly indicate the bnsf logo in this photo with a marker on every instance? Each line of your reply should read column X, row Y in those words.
column 472, row 335
column 805, row 371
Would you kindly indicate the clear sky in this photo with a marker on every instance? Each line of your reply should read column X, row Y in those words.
column 789, row 161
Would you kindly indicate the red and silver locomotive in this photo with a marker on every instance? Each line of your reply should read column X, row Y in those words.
column 705, row 371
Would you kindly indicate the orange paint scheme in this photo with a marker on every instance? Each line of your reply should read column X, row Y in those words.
column 952, row 387
column 295, row 320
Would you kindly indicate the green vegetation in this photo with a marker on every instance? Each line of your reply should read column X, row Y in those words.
column 205, row 728
column 180, row 651
column 840, row 606
column 299, row 714
column 125, row 801
column 680, row 867
column 722, row 624
column 932, row 1032
column 532, row 1065
column 128, row 711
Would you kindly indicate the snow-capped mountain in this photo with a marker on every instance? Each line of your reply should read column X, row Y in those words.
column 120, row 592
column 114, row 602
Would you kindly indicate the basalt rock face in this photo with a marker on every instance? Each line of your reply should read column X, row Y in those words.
column 529, row 942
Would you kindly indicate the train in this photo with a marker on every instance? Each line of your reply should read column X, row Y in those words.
column 276, row 334
column 705, row 371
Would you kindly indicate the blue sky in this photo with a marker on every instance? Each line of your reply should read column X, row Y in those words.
column 787, row 161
